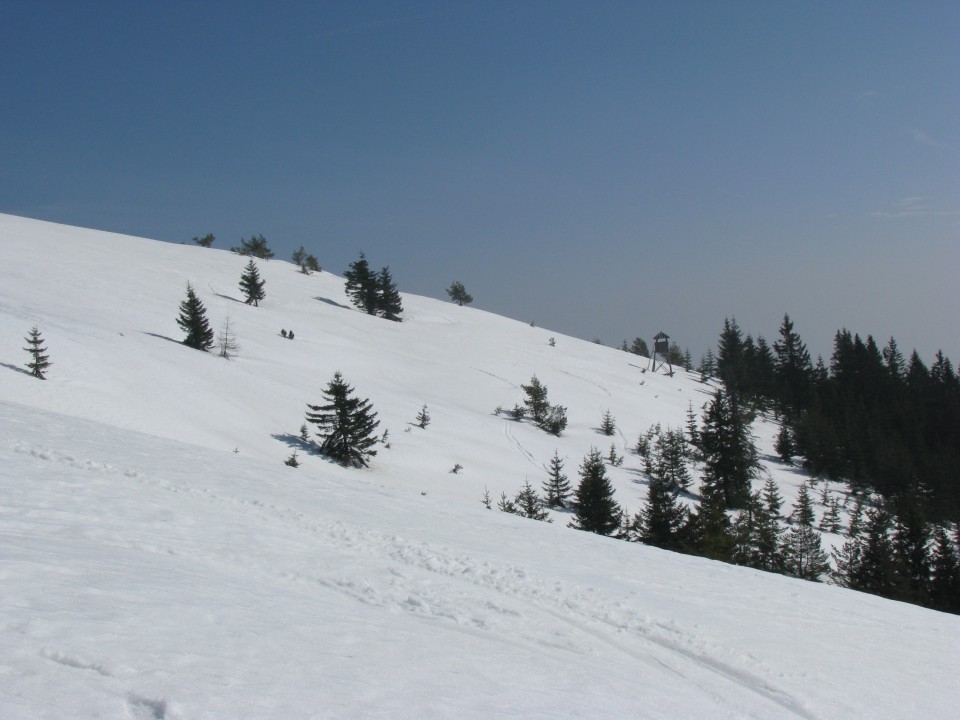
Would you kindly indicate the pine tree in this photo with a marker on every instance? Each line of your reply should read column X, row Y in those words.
column 458, row 294
column 662, row 517
column 639, row 347
column 536, row 399
column 506, row 505
column 783, row 444
column 772, row 498
column 39, row 360
column 527, row 504
column 875, row 572
column 251, row 285
column 729, row 454
column 256, row 247
column 423, row 417
column 803, row 552
column 556, row 487
column 205, row 241
column 226, row 340
column 856, row 518
column 345, row 423
column 389, row 303
column 486, row 499
column 693, row 432
column 667, row 460
column 299, row 258
column 596, row 510
column 831, row 518
column 608, row 425
column 361, row 285
column 910, row 540
column 555, row 421
column 193, row 321
column 944, row 589
column 794, row 371
column 707, row 532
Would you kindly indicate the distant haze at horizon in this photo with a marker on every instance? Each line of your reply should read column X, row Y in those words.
column 604, row 170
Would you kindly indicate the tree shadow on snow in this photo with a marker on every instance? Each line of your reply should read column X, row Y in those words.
column 228, row 297
column 16, row 369
column 330, row 301
column 162, row 337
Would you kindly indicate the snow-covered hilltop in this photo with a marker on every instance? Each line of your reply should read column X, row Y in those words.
column 160, row 561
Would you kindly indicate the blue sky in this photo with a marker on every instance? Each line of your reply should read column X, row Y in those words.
column 603, row 169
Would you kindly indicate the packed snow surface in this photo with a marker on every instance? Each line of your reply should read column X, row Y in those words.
column 158, row 559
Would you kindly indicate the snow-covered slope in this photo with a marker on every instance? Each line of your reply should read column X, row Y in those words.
column 158, row 560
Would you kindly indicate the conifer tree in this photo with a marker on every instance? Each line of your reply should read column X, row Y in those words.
column 794, row 371
column 536, row 399
column 556, row 487
column 667, row 460
column 803, row 553
column 458, row 294
column 856, row 518
column 693, row 432
column 506, row 505
column 527, row 504
column 944, row 573
column 875, row 571
column 707, row 532
column 596, row 510
column 389, row 303
column 252, row 285
column 227, row 340
column 256, row 247
column 555, row 421
column 662, row 517
column 729, row 454
column 639, row 347
column 911, row 555
column 423, row 417
column 205, row 241
column 193, row 321
column 772, row 498
column 608, row 425
column 345, row 424
column 830, row 522
column 39, row 360
column 783, row 444
column 362, row 285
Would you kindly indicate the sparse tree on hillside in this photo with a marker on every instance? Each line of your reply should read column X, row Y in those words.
column 256, row 247
column 458, row 294
column 527, row 504
column 536, row 399
column 361, row 285
column 193, row 321
column 423, row 417
column 205, row 241
column 226, row 340
column 39, row 360
column 596, row 510
column 804, row 556
column 639, row 347
column 389, row 303
column 345, row 424
column 556, row 486
column 608, row 425
column 252, row 285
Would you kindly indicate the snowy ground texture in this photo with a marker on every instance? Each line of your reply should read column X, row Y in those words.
column 158, row 559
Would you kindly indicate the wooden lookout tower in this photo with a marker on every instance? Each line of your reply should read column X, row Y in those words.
column 661, row 350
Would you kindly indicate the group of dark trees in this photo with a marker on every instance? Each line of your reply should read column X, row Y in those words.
column 871, row 419
column 373, row 292
column 552, row 418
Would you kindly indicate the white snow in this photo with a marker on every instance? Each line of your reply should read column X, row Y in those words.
column 158, row 559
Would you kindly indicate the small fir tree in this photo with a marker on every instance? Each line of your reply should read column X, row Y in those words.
column 783, row 444
column 729, row 454
column 596, row 510
column 299, row 259
column 256, row 247
column 506, row 505
column 536, row 399
column 803, row 553
column 528, row 505
column 458, row 294
column 772, row 498
column 389, row 303
column 486, row 499
column 193, row 321
column 252, row 285
column 660, row 521
column 556, row 487
column 346, row 424
column 205, row 241
column 39, row 360
column 292, row 461
column 608, row 425
column 423, row 417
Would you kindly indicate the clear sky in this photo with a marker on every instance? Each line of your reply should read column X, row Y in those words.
column 603, row 169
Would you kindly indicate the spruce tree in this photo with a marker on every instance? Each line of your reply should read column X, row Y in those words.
column 911, row 555
column 536, row 399
column 608, row 425
column 803, row 553
column 707, row 532
column 251, row 285
column 345, row 424
column 729, row 454
column 458, row 294
column 389, row 303
column 423, row 417
column 361, row 285
column 662, row 516
column 39, row 360
column 944, row 588
column 256, row 247
column 875, row 572
column 193, row 321
column 527, row 504
column 639, row 347
column 556, row 487
column 772, row 498
column 596, row 510
column 205, row 241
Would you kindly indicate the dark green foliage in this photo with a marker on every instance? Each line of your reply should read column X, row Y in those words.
column 911, row 537
column 707, row 532
column 361, row 285
column 666, row 459
column 345, row 424
column 39, row 360
column 389, row 303
column 608, row 425
column 556, row 487
column 783, row 445
column 772, row 498
column 639, row 347
column 729, row 454
column 555, row 421
column 312, row 264
column 506, row 505
column 252, row 285
column 803, row 553
column 205, row 241
column 660, row 521
column 458, row 294
column 794, row 371
column 707, row 367
column 305, row 261
column 831, row 518
column 758, row 539
column 486, row 499
column 423, row 417
column 292, row 461
column 944, row 588
column 193, row 321
column 256, row 247
column 536, row 399
column 528, row 505
column 596, row 510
